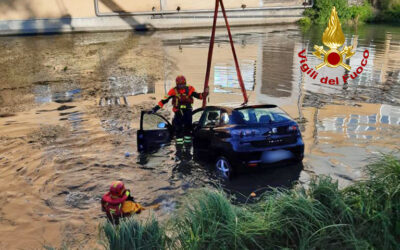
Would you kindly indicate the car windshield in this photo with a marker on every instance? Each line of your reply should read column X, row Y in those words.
column 255, row 116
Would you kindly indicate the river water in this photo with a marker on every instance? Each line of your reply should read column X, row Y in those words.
column 65, row 131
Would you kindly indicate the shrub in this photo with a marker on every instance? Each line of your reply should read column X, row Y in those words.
column 321, row 11
column 305, row 22
column 390, row 15
column 361, row 13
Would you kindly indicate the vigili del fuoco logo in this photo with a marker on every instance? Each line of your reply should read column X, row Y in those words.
column 333, row 38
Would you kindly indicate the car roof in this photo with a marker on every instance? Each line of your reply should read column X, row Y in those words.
column 230, row 109
column 265, row 106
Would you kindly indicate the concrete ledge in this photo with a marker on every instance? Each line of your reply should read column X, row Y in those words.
column 143, row 22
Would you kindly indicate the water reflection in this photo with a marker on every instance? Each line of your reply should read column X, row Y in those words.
column 225, row 76
column 361, row 126
column 128, row 85
column 60, row 92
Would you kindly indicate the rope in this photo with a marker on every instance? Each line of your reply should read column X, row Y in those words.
column 239, row 74
column 211, row 49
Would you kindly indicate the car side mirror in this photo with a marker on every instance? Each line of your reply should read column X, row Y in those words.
column 161, row 125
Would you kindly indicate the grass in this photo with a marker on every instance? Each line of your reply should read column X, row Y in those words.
column 132, row 234
column 365, row 215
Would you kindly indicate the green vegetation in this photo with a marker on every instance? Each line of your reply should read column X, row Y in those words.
column 321, row 11
column 305, row 22
column 389, row 11
column 370, row 11
column 365, row 215
column 131, row 234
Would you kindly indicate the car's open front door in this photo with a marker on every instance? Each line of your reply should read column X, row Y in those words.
column 154, row 131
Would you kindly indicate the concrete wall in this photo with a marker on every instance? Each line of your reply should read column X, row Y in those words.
column 201, row 4
column 37, row 16
column 36, row 9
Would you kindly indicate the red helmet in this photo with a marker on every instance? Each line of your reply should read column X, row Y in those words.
column 180, row 80
column 117, row 188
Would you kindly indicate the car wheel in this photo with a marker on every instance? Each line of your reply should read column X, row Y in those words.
column 224, row 168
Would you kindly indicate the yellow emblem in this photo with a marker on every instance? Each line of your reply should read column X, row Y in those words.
column 333, row 38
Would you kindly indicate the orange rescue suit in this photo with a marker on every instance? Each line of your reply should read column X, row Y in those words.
column 181, row 98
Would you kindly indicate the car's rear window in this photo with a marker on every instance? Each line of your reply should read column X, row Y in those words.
column 258, row 116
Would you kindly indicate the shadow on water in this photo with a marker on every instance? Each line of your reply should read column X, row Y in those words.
column 258, row 181
column 117, row 9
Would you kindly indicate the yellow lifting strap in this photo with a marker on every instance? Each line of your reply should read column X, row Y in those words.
column 130, row 207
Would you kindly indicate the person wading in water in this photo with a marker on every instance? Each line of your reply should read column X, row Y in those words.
column 182, row 101
column 118, row 203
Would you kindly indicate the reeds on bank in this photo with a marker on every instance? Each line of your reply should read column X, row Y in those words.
column 365, row 215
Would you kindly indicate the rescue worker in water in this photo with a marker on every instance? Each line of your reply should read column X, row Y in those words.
column 182, row 101
column 118, row 203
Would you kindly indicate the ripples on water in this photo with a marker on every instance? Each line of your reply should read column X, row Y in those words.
column 70, row 105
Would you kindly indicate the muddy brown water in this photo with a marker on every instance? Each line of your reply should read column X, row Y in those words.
column 65, row 128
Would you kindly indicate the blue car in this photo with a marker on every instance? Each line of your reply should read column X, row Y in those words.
column 234, row 138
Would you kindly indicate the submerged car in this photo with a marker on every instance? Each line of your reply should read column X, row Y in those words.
column 234, row 138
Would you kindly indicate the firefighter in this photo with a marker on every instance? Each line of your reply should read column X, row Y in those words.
column 182, row 101
column 118, row 203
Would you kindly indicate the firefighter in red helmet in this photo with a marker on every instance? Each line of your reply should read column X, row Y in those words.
column 118, row 202
column 182, row 101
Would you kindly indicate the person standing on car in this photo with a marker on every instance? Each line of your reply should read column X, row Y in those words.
column 182, row 101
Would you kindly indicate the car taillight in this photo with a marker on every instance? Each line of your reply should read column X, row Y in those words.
column 292, row 128
column 252, row 164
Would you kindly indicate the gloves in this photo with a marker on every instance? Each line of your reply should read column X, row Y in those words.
column 154, row 110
